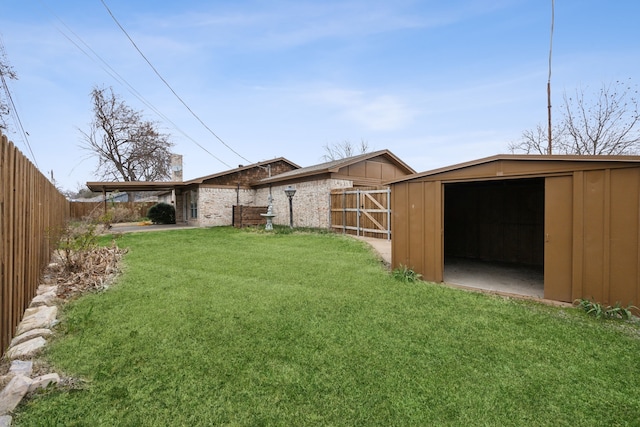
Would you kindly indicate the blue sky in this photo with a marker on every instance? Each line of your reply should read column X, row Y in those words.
column 435, row 82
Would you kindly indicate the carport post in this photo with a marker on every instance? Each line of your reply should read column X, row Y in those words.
column 104, row 200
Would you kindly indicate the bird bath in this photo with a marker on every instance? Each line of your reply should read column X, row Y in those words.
column 269, row 216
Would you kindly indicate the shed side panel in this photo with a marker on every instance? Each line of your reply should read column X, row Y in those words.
column 594, row 235
column 417, row 214
column 625, row 199
column 399, row 225
column 558, row 238
column 432, row 232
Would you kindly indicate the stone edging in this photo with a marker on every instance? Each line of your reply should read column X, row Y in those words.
column 30, row 338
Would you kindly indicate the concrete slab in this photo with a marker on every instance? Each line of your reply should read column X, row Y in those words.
column 381, row 246
column 501, row 278
column 134, row 227
column 495, row 277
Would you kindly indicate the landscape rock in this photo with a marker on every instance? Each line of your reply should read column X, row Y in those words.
column 21, row 367
column 43, row 289
column 5, row 420
column 29, row 335
column 37, row 318
column 26, row 349
column 13, row 393
column 43, row 381
column 47, row 298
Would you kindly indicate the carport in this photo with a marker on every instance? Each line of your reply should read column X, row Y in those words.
column 568, row 223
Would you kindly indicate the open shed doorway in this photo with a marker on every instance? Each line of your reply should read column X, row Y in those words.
column 494, row 235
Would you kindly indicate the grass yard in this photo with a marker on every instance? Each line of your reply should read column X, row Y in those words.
column 226, row 327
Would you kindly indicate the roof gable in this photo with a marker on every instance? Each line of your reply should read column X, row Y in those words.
column 277, row 165
column 340, row 166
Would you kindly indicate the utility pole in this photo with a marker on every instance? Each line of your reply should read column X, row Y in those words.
column 549, row 80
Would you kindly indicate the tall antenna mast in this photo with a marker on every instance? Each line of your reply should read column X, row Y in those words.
column 549, row 150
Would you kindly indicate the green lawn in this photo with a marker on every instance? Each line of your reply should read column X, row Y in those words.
column 226, row 327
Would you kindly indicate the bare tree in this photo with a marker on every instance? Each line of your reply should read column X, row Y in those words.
column 535, row 141
column 344, row 149
column 608, row 123
column 6, row 72
column 128, row 147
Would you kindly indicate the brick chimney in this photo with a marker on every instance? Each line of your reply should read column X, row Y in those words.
column 176, row 167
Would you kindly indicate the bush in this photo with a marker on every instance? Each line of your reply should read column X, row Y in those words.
column 75, row 243
column 116, row 213
column 405, row 274
column 600, row 311
column 162, row 213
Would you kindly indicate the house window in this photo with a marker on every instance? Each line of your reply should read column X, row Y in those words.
column 193, row 203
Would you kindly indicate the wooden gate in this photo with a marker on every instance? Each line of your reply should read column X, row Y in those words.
column 362, row 211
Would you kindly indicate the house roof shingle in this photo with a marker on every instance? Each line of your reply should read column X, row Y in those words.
column 335, row 166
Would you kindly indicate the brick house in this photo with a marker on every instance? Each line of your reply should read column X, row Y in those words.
column 209, row 201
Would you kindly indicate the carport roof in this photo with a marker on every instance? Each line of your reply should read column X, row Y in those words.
column 558, row 159
column 133, row 186
column 170, row 185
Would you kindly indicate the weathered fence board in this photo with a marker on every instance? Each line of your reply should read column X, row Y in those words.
column 361, row 211
column 245, row 216
column 31, row 209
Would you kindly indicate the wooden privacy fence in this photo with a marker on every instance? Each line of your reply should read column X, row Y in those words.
column 245, row 216
column 362, row 211
column 30, row 209
column 133, row 210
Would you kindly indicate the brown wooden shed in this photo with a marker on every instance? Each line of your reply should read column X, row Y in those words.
column 576, row 218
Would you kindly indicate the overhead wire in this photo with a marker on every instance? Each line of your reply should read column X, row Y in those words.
column 168, row 85
column 116, row 76
column 14, row 111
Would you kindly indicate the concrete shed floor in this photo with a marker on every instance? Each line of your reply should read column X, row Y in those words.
column 480, row 275
column 495, row 276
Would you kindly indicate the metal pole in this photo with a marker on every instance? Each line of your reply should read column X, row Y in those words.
column 358, row 213
column 550, row 147
column 291, row 211
column 388, row 213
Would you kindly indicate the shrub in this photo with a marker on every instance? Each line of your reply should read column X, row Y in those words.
column 599, row 311
column 162, row 213
column 405, row 274
column 116, row 213
column 75, row 243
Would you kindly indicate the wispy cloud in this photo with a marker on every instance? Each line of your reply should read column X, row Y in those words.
column 286, row 24
column 371, row 111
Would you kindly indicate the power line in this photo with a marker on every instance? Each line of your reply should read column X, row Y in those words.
column 116, row 76
column 13, row 109
column 169, row 86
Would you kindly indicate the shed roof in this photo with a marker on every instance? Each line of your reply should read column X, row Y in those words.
column 335, row 165
column 514, row 165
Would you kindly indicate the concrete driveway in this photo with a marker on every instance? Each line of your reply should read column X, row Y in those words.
column 135, row 227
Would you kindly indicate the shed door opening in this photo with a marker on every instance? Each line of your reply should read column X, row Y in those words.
column 494, row 235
